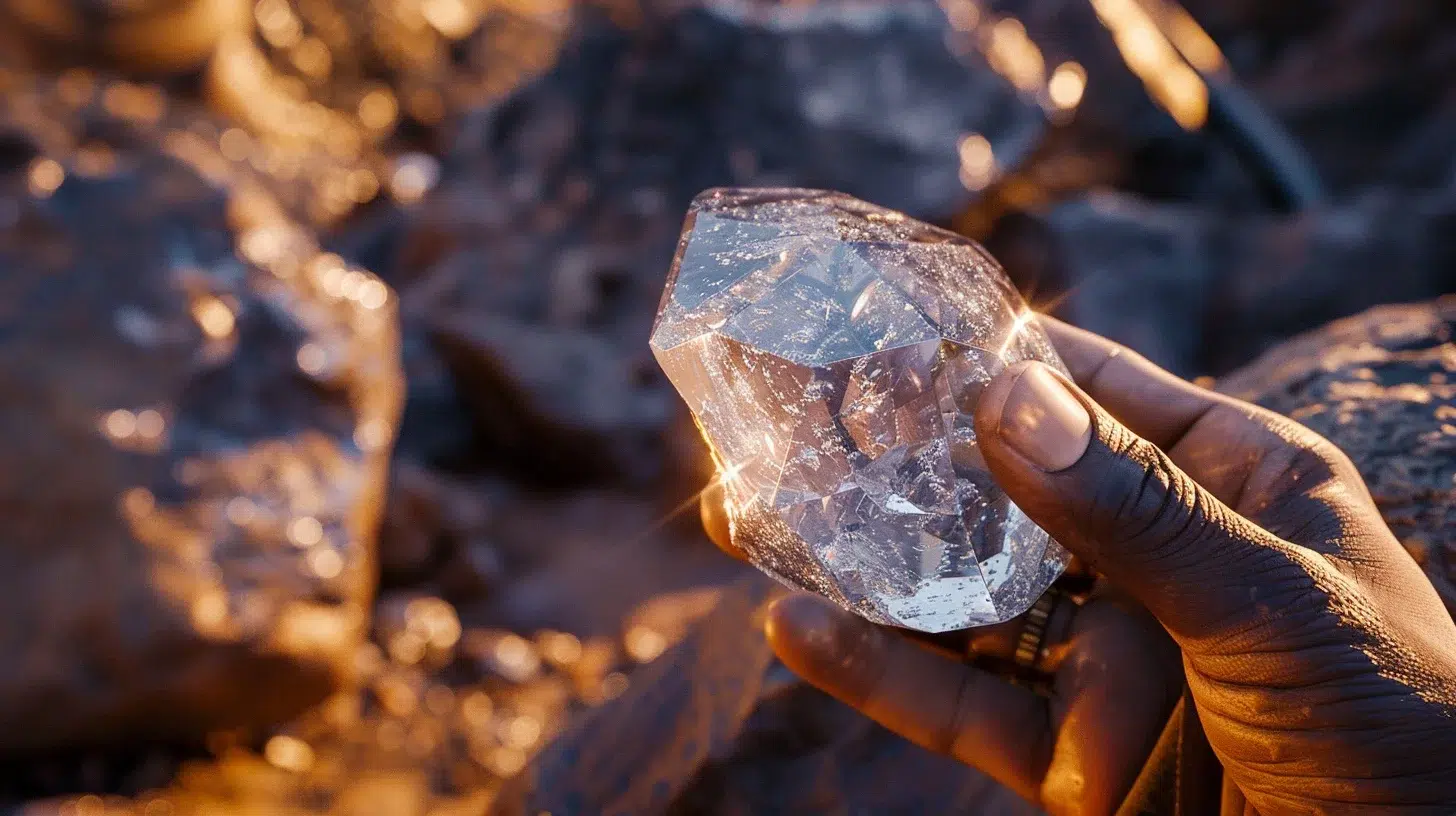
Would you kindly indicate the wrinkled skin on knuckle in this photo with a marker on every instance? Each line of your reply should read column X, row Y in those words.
column 1253, row 459
column 1301, row 494
column 1141, row 502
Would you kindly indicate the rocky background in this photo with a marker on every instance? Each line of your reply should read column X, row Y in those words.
column 337, row 478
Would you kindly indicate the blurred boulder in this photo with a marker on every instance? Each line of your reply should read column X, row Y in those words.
column 395, row 71
column 197, row 418
column 1139, row 273
column 1357, row 83
column 1202, row 292
column 437, row 530
column 873, row 99
column 1286, row 276
column 564, row 400
column 581, row 562
column 1381, row 386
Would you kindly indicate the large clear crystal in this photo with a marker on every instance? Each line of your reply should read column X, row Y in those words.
column 833, row 353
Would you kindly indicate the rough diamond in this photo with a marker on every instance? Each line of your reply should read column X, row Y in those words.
column 833, row 353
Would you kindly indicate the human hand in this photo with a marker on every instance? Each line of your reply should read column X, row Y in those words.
column 1321, row 662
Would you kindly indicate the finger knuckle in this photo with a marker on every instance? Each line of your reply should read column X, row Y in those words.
column 1301, row 449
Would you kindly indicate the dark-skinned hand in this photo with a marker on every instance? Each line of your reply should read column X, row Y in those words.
column 1236, row 549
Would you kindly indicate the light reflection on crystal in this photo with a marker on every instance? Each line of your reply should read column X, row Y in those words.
column 832, row 353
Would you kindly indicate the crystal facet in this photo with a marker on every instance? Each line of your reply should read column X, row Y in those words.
column 833, row 353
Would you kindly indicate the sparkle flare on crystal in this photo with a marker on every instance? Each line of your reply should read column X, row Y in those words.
column 833, row 353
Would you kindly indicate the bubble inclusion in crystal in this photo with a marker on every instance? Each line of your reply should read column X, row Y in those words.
column 833, row 353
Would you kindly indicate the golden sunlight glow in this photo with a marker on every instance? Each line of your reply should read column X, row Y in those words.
column 45, row 177
column 452, row 18
column 312, row 359
column 1067, row 85
column 561, row 648
column 964, row 15
column 378, row 109
column 138, row 502
column 978, row 162
column 1175, row 86
column 522, row 732
column 150, row 424
column 1013, row 55
column 209, row 610
column 289, row 753
column 644, row 644
column 372, row 435
column 731, row 472
column 1017, row 326
column 305, row 531
column 325, row 563
column 506, row 761
column 1190, row 39
column 214, row 316
column 515, row 655
column 373, row 294
column 120, row 424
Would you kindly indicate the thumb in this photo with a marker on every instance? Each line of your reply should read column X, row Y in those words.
column 1120, row 504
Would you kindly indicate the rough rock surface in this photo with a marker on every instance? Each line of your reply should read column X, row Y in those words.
column 197, row 416
column 1382, row 386
column 399, row 71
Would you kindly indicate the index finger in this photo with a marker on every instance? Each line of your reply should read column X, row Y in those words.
column 1153, row 403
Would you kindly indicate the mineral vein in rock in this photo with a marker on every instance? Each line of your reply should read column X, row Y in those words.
column 833, row 353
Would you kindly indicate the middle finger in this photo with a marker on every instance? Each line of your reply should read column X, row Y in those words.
column 937, row 702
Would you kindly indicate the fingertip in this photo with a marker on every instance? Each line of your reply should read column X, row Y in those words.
column 817, row 639
column 993, row 400
column 801, row 620
column 715, row 521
